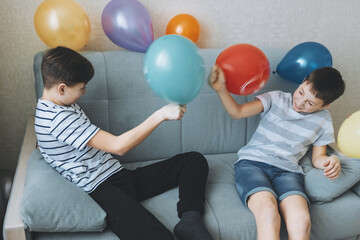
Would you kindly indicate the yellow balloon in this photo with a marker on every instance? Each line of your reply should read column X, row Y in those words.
column 62, row 23
column 349, row 136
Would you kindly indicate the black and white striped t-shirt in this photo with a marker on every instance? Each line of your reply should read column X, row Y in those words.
column 62, row 134
column 284, row 135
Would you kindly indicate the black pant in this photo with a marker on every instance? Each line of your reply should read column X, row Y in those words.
column 121, row 194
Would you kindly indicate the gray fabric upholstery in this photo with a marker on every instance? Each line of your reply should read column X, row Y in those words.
column 118, row 99
column 53, row 204
column 322, row 189
column 356, row 189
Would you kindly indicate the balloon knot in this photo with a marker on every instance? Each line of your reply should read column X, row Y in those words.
column 274, row 72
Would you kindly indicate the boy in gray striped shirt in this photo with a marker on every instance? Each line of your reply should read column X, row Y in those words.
column 267, row 174
column 80, row 152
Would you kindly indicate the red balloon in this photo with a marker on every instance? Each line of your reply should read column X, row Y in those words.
column 246, row 68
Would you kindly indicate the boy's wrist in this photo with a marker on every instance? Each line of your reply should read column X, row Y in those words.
column 159, row 116
column 222, row 91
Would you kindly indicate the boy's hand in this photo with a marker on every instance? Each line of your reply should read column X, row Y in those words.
column 216, row 79
column 332, row 167
column 171, row 112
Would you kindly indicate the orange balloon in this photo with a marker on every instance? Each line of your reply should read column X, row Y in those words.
column 184, row 25
column 62, row 23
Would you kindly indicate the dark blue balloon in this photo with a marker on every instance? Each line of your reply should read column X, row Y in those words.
column 302, row 59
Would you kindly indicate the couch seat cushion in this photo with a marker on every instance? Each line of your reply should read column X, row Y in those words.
column 225, row 215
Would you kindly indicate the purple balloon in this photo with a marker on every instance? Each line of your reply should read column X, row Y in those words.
column 127, row 24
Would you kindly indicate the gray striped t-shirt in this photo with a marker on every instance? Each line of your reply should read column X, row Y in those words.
column 62, row 134
column 284, row 135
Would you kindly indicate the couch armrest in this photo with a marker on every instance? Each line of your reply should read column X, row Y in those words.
column 13, row 225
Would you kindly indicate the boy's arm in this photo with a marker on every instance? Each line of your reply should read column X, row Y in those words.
column 330, row 164
column 123, row 143
column 216, row 80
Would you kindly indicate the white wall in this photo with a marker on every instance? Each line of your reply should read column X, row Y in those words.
column 263, row 23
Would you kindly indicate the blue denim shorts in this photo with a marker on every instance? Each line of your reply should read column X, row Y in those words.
column 252, row 177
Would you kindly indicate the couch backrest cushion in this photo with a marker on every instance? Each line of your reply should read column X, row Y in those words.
column 118, row 99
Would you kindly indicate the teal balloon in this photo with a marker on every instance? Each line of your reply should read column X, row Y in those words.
column 174, row 69
column 302, row 59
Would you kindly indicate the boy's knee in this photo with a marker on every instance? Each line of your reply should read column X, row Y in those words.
column 269, row 213
column 265, row 209
column 195, row 155
column 299, row 224
column 198, row 159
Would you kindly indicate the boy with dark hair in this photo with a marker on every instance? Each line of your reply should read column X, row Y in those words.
column 267, row 174
column 80, row 152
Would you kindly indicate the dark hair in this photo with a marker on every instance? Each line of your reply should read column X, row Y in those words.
column 326, row 84
column 64, row 65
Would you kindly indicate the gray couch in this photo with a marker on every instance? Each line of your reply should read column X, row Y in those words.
column 118, row 98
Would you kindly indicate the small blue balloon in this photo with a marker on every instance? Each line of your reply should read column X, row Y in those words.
column 302, row 59
column 174, row 69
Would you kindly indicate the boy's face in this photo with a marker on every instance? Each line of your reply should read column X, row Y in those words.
column 73, row 93
column 304, row 101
